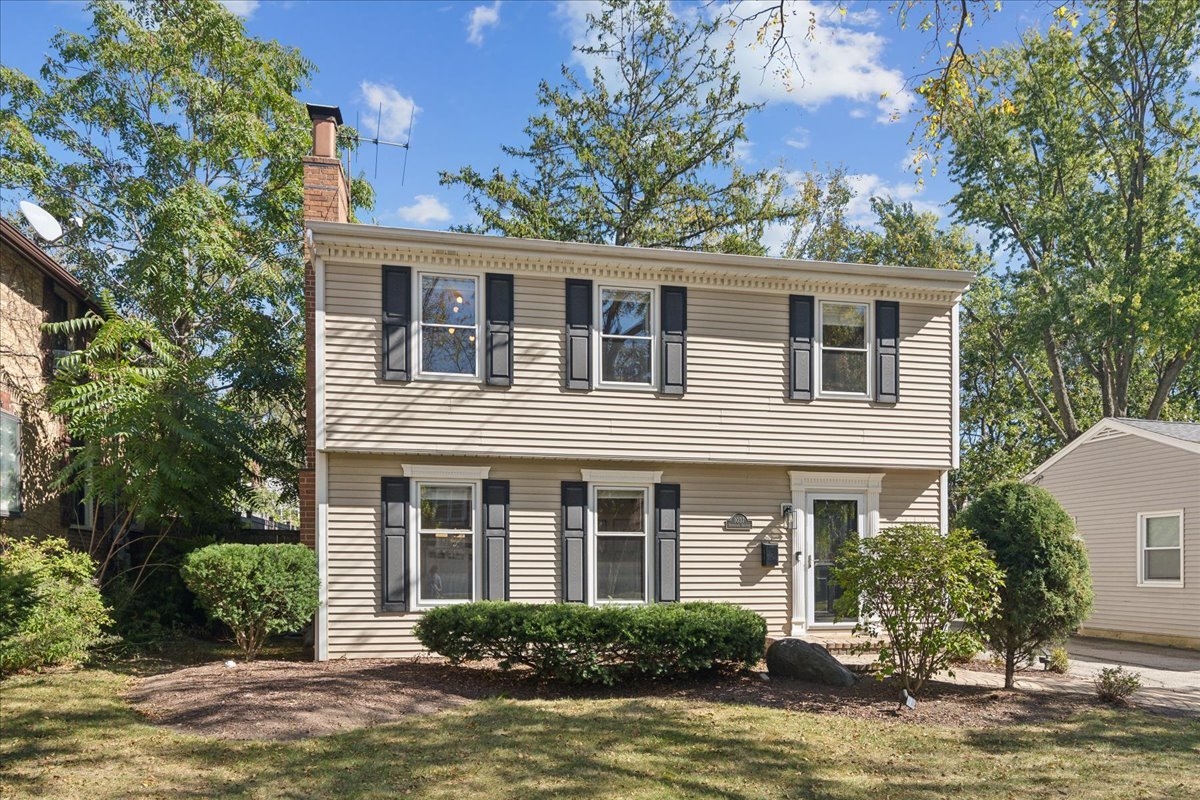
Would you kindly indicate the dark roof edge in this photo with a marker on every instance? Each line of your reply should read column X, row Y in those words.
column 12, row 235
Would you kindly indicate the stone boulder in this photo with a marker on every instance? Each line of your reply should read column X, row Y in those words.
column 796, row 658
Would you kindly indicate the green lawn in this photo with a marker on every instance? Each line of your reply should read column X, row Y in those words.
column 71, row 735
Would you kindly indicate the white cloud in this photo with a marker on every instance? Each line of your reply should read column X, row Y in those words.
column 743, row 151
column 425, row 210
column 866, row 185
column 843, row 58
column 799, row 139
column 386, row 113
column 481, row 18
column 242, row 8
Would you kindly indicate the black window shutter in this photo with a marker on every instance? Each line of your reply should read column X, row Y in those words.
column 674, row 340
column 397, row 316
column 495, row 540
column 499, row 332
column 887, row 351
column 579, row 335
column 666, row 542
column 574, row 541
column 394, row 555
column 800, row 346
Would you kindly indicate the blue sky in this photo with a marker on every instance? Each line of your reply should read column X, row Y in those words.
column 472, row 70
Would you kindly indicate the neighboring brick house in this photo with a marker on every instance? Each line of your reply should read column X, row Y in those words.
column 34, row 288
column 502, row 418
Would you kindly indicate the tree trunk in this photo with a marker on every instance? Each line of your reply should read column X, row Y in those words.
column 1010, row 666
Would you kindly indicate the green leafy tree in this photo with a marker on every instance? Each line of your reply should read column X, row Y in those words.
column 1077, row 150
column 1047, row 589
column 149, row 443
column 178, row 138
column 642, row 153
column 927, row 592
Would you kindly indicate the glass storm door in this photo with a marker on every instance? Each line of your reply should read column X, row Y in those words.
column 834, row 520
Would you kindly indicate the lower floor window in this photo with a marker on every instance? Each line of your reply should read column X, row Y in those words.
column 1161, row 545
column 446, row 541
column 622, row 516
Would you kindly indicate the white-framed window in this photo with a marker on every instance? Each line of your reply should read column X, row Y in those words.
column 621, row 543
column 844, row 332
column 447, row 523
column 448, row 324
column 1160, row 548
column 626, row 327
column 10, row 465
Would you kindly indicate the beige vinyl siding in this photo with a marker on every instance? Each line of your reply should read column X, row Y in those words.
column 1105, row 483
column 734, row 410
column 714, row 564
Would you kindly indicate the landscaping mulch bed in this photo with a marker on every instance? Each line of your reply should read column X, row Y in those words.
column 291, row 700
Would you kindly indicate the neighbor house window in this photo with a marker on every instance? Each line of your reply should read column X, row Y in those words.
column 10, row 465
column 449, row 324
column 622, row 517
column 1160, row 548
column 626, row 340
column 844, row 348
column 445, row 542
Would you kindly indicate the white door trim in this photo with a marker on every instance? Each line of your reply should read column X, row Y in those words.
column 864, row 484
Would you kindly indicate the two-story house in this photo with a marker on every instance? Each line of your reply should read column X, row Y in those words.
column 34, row 289
column 496, row 418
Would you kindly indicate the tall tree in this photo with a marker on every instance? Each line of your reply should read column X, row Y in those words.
column 178, row 139
column 1077, row 150
column 641, row 152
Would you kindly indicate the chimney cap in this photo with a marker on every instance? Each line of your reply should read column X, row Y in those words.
column 316, row 112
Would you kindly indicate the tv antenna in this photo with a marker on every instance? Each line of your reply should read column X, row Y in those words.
column 375, row 140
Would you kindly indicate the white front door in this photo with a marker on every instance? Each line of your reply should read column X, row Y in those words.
column 831, row 520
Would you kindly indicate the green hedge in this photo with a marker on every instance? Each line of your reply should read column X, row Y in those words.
column 584, row 644
column 255, row 589
column 51, row 612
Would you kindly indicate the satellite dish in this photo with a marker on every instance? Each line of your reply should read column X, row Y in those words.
column 42, row 221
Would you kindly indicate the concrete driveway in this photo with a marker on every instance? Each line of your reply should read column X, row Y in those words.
column 1170, row 677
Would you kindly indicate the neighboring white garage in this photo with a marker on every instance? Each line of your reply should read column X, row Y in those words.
column 1133, row 487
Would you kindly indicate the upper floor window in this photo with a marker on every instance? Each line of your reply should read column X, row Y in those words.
column 845, row 348
column 445, row 542
column 626, row 340
column 1160, row 549
column 449, row 325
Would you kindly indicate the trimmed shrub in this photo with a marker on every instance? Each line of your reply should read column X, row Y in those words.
column 1058, row 660
column 255, row 589
column 584, row 644
column 927, row 592
column 1117, row 685
column 1047, row 589
column 51, row 611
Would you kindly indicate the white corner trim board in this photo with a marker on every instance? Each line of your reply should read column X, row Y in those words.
column 436, row 471
column 643, row 477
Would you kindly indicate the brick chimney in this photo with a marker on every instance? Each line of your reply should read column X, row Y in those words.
column 326, row 199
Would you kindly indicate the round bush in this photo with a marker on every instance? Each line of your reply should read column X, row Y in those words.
column 255, row 589
column 1047, row 590
column 51, row 611
column 584, row 644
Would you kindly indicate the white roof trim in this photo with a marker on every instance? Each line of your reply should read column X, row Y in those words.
column 1116, row 425
column 436, row 471
column 641, row 477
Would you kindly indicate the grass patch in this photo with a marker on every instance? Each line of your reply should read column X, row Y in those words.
column 70, row 734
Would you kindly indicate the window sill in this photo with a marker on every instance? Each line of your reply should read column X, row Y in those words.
column 447, row 377
column 628, row 387
column 1153, row 584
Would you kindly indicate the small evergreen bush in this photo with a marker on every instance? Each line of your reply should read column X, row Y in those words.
column 255, row 589
column 1047, row 590
column 1116, row 685
column 584, row 644
column 51, row 611
column 1058, row 660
